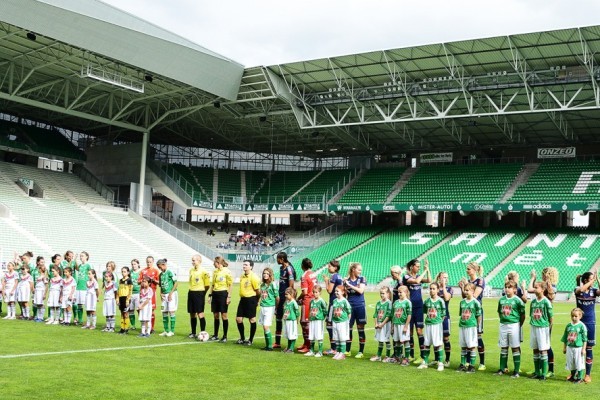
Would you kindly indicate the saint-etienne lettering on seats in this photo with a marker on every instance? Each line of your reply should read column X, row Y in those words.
column 540, row 240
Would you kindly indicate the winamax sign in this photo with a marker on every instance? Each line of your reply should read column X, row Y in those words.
column 556, row 152
column 435, row 157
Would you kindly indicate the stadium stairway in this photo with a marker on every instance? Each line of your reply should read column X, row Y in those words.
column 492, row 274
column 349, row 185
column 406, row 175
column 520, row 180
column 306, row 184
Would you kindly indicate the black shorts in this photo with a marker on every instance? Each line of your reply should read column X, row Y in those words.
column 195, row 301
column 218, row 303
column 247, row 307
column 123, row 304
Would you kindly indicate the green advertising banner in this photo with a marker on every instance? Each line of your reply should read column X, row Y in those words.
column 240, row 257
column 541, row 206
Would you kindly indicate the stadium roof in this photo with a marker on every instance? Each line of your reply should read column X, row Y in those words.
column 517, row 90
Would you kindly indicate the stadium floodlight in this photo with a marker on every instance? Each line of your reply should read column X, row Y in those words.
column 112, row 78
column 31, row 36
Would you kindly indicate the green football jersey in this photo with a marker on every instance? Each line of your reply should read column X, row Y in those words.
column 341, row 310
column 575, row 335
column 383, row 310
column 434, row 311
column 291, row 311
column 470, row 310
column 318, row 310
column 268, row 295
column 401, row 310
column 510, row 309
column 82, row 276
column 135, row 275
column 540, row 312
column 167, row 281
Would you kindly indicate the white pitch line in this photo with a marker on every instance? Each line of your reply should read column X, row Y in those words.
column 58, row 353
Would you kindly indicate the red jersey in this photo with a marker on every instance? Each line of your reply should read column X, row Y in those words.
column 307, row 284
column 153, row 274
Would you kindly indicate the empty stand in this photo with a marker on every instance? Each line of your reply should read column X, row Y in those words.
column 458, row 183
column 373, row 186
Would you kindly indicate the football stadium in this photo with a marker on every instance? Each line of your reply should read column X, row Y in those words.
column 461, row 167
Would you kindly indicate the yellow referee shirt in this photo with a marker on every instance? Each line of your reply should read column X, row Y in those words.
column 221, row 279
column 249, row 284
column 199, row 279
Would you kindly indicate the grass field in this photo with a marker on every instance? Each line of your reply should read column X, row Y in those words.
column 39, row 361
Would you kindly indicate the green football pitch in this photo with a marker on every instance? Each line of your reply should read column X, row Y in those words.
column 40, row 361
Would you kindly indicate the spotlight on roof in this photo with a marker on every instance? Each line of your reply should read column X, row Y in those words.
column 31, row 36
column 217, row 104
column 263, row 119
column 148, row 78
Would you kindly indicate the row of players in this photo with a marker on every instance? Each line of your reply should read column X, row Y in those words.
column 354, row 284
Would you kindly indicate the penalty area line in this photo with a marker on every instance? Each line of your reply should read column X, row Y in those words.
column 97, row 350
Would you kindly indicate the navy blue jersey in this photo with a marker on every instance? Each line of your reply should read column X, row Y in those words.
column 395, row 288
column 414, row 290
column 355, row 298
column 587, row 302
column 479, row 282
column 441, row 296
column 285, row 274
column 336, row 279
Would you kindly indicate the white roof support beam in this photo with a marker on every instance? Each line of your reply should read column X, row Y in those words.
column 587, row 59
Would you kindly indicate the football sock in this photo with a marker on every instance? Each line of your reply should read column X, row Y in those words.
column 349, row 342
column 173, row 323
column 544, row 363
column 412, row 346
column 268, row 340
column 379, row 349
column 166, row 322
column 589, row 360
column 536, row 364
column 291, row 344
column 440, row 354
column 329, row 328
column 217, row 326
column 321, row 346
column 503, row 358
column 362, row 338
column 342, row 347
column 202, row 324
column 80, row 313
column 447, row 348
column 226, row 327
column 473, row 357
column 550, row 360
column 193, row 324
column 406, row 349
column 463, row 357
column 425, row 355
column 388, row 349
column 252, row 330
column 397, row 349
column 132, row 318
column 278, row 327
column 240, row 326
column 421, row 344
column 517, row 360
column 481, row 350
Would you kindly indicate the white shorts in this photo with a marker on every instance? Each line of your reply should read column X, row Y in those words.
column 341, row 331
column 399, row 335
column 540, row 338
column 23, row 293
column 90, row 301
column 315, row 330
column 575, row 360
column 134, row 301
column 170, row 306
column 467, row 337
column 80, row 296
column 434, row 335
column 54, row 298
column 109, row 308
column 510, row 335
column 291, row 330
column 9, row 297
column 38, row 296
column 383, row 334
column 265, row 317
column 66, row 302
column 146, row 312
